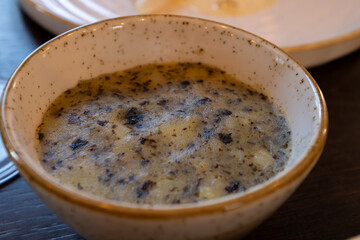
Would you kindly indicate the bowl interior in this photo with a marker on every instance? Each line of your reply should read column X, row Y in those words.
column 122, row 43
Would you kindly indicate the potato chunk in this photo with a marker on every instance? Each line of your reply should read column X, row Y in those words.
column 180, row 133
column 262, row 159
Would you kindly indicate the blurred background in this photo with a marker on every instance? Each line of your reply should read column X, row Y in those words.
column 323, row 35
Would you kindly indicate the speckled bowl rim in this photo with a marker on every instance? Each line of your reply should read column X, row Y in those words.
column 165, row 211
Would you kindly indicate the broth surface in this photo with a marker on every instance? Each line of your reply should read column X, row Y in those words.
column 163, row 134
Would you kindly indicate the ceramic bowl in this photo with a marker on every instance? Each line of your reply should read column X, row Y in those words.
column 122, row 43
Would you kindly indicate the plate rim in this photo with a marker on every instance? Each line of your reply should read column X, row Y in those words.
column 295, row 49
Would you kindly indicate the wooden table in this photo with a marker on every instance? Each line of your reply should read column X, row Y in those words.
column 326, row 206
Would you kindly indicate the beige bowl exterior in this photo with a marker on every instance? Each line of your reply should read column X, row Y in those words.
column 121, row 43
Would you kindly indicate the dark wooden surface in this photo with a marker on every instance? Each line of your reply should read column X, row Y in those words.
column 326, row 206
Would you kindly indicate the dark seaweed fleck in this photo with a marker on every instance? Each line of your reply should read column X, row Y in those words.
column 263, row 97
column 181, row 111
column 144, row 189
column 79, row 186
column 193, row 188
column 280, row 123
column 208, row 132
column 224, row 112
column 279, row 155
column 171, row 173
column 133, row 116
column 184, row 84
column 225, row 138
column 221, row 113
column 204, row 100
column 122, row 181
column 190, row 145
column 102, row 123
column 247, row 109
column 78, row 143
column 147, row 83
column 99, row 91
column 145, row 162
column 143, row 140
column 232, row 187
column 162, row 102
column 40, row 136
column 73, row 118
column 144, row 103
column 176, row 201
column 117, row 94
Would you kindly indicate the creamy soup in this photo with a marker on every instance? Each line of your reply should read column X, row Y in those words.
column 163, row 134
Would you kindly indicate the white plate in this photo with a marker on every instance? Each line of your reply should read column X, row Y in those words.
column 314, row 32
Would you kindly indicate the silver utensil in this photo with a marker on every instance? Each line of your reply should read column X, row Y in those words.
column 7, row 168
